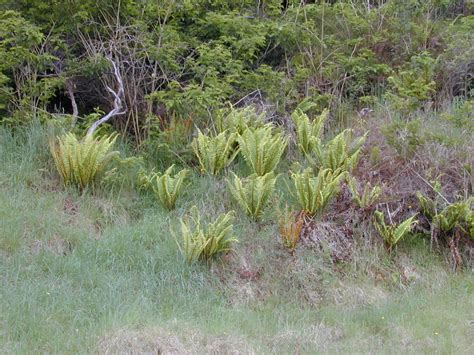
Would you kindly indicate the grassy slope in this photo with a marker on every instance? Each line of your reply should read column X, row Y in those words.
column 83, row 273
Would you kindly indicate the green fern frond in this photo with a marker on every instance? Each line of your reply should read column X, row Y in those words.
column 368, row 196
column 308, row 132
column 215, row 153
column 80, row 162
column 237, row 120
column 392, row 234
column 166, row 187
column 253, row 194
column 314, row 193
column 261, row 149
column 202, row 241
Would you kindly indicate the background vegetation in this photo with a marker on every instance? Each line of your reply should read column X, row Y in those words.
column 275, row 176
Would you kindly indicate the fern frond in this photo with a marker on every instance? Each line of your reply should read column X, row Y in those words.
column 79, row 162
column 261, row 149
column 205, row 241
column 314, row 193
column 253, row 194
column 215, row 153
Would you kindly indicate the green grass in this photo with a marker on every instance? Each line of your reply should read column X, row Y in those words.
column 101, row 272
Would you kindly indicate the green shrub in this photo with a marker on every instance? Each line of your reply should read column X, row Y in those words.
column 252, row 195
column 392, row 234
column 80, row 162
column 261, row 149
column 203, row 241
column 314, row 193
column 215, row 153
column 166, row 187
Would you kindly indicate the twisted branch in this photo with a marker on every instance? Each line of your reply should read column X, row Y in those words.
column 118, row 105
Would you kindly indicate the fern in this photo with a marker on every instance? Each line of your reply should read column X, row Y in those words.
column 253, row 194
column 215, row 153
column 80, row 162
column 261, row 149
column 392, row 234
column 238, row 120
column 368, row 196
column 314, row 193
column 341, row 152
column 166, row 187
column 290, row 225
column 454, row 215
column 204, row 241
column 308, row 132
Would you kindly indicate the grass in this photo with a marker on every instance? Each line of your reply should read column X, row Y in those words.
column 102, row 273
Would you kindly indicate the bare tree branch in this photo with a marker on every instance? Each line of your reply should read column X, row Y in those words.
column 118, row 105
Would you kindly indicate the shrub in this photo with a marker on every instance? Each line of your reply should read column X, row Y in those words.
column 166, row 187
column 314, row 193
column 261, row 149
column 80, row 162
column 290, row 226
column 215, row 153
column 204, row 241
column 392, row 234
column 253, row 194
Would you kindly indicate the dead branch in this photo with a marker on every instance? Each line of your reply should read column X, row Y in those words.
column 118, row 105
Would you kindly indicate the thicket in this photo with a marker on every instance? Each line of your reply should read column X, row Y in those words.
column 208, row 85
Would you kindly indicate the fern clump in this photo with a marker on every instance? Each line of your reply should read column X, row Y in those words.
column 290, row 225
column 203, row 241
column 80, row 162
column 238, row 120
column 215, row 153
column 314, row 193
column 253, row 194
column 341, row 152
column 392, row 234
column 261, row 149
column 368, row 197
column 167, row 187
column 308, row 132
